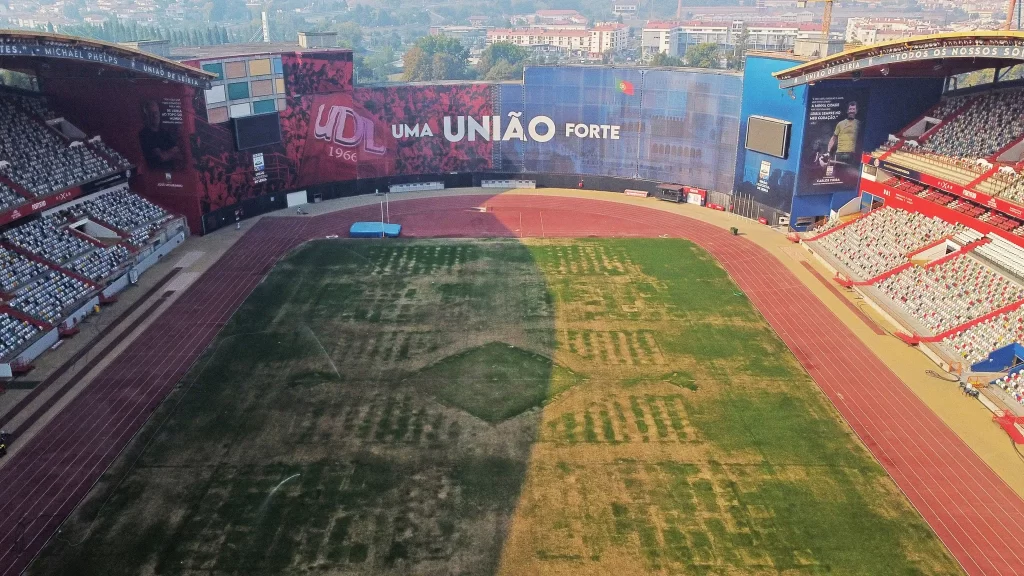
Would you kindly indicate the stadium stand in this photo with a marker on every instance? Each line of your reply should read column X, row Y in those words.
column 882, row 240
column 954, row 292
column 1013, row 385
column 977, row 342
column 40, row 159
column 47, row 268
column 49, row 296
column 8, row 198
column 14, row 333
column 124, row 211
column 46, row 239
column 16, row 270
column 987, row 124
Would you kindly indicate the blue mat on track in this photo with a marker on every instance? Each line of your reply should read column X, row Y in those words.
column 374, row 230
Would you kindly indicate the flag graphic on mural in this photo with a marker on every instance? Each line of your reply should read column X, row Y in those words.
column 626, row 87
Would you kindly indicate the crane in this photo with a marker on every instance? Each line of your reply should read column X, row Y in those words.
column 826, row 18
column 1014, row 5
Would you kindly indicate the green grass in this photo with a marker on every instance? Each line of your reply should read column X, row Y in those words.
column 493, row 382
column 376, row 408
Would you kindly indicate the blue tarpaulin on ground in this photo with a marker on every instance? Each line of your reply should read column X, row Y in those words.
column 374, row 230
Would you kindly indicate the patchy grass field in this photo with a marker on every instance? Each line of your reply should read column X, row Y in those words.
column 471, row 407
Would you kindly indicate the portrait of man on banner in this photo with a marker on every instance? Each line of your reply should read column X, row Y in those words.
column 833, row 137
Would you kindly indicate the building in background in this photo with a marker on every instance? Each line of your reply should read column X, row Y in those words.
column 470, row 36
column 625, row 9
column 589, row 42
column 674, row 39
column 660, row 37
column 552, row 20
column 874, row 30
column 609, row 37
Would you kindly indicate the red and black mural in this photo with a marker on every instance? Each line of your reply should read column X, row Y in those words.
column 332, row 132
column 414, row 116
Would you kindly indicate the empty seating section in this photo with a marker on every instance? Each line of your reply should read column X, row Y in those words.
column 1007, row 186
column 1013, row 385
column 881, row 240
column 70, row 268
column 115, row 157
column 14, row 333
column 947, row 106
column 826, row 226
column 44, row 238
column 991, row 122
column 967, row 236
column 126, row 211
column 16, row 270
column 974, row 344
column 954, row 292
column 49, row 296
column 9, row 198
column 37, row 157
column 98, row 264
column 1004, row 254
column 956, row 170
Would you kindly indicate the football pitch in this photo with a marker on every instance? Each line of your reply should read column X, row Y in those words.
column 594, row 406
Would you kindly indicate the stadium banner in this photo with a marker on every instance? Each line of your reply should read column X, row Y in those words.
column 342, row 142
column 568, row 120
column 100, row 56
column 317, row 72
column 937, row 49
column 833, row 140
column 596, row 114
column 40, row 204
column 689, row 127
column 438, row 129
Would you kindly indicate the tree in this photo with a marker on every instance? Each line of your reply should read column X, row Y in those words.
column 703, row 56
column 508, row 55
column 436, row 58
column 662, row 59
column 504, row 70
column 736, row 59
column 350, row 35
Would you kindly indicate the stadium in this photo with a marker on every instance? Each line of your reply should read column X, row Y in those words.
column 635, row 320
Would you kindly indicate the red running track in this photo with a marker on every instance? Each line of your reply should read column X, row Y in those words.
column 971, row 509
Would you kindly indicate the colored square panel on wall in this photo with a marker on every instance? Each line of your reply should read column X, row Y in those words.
column 215, row 68
column 261, row 87
column 217, row 115
column 259, row 67
column 280, row 85
column 278, row 67
column 238, row 90
column 240, row 110
column 235, row 69
column 263, row 106
column 281, row 105
column 215, row 95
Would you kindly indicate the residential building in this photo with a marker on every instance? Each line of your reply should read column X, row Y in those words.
column 609, row 37
column 573, row 41
column 874, row 30
column 660, row 37
column 625, row 9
